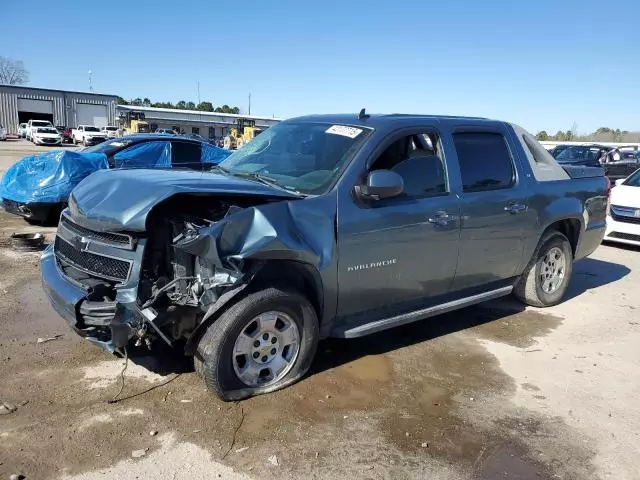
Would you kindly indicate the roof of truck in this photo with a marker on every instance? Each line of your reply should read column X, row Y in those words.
column 384, row 120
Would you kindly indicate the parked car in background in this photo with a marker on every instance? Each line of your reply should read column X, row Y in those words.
column 65, row 132
column 621, row 162
column 46, row 136
column 87, row 135
column 555, row 151
column 623, row 221
column 323, row 226
column 165, row 131
column 37, row 187
column 22, row 130
column 110, row 131
column 581, row 155
column 3, row 133
column 33, row 124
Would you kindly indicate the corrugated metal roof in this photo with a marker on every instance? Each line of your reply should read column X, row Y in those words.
column 195, row 112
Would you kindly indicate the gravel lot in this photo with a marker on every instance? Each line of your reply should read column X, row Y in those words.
column 490, row 392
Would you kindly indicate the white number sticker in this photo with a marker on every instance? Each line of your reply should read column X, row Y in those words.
column 351, row 132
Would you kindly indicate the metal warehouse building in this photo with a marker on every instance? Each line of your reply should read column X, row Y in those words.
column 21, row 104
column 207, row 124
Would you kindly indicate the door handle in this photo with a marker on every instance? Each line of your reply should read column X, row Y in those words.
column 440, row 218
column 515, row 208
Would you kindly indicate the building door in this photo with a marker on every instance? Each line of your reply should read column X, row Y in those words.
column 89, row 114
column 29, row 109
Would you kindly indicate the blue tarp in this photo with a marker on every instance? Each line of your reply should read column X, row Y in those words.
column 49, row 177
column 212, row 154
column 145, row 155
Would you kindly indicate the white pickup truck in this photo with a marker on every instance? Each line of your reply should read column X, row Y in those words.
column 87, row 135
column 110, row 131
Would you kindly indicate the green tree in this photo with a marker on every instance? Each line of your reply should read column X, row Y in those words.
column 121, row 101
column 560, row 135
column 190, row 106
column 136, row 101
column 227, row 109
column 205, row 107
column 542, row 135
column 568, row 136
column 181, row 104
column 146, row 102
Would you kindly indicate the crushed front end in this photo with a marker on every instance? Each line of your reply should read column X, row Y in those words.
column 91, row 279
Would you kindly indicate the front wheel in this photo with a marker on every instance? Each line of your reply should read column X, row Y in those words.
column 263, row 343
column 546, row 278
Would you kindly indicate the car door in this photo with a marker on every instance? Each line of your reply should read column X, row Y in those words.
column 494, row 208
column 396, row 254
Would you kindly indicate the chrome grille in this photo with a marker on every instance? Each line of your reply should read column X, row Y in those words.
column 91, row 263
column 115, row 239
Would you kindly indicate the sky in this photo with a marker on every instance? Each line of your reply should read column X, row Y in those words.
column 544, row 65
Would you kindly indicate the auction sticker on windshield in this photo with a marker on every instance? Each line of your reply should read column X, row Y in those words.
column 351, row 132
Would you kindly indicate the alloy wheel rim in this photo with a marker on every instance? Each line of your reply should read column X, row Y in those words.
column 552, row 270
column 266, row 349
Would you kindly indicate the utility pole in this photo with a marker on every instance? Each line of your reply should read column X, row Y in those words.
column 249, row 103
column 90, row 84
column 198, row 92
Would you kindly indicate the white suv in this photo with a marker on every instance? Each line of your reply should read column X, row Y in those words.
column 33, row 124
column 110, row 131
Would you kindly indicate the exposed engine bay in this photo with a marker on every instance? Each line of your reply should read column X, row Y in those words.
column 177, row 287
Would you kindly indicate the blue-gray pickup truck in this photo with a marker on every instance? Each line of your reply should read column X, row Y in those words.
column 322, row 226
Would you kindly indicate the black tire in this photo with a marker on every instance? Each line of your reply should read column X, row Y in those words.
column 213, row 359
column 529, row 288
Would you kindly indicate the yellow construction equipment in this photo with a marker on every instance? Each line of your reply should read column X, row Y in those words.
column 133, row 122
column 243, row 133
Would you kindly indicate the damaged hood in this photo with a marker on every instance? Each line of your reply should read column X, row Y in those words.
column 121, row 199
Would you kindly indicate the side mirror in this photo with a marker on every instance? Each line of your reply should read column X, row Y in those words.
column 619, row 181
column 381, row 184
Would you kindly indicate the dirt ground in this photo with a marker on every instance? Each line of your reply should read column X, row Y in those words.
column 491, row 392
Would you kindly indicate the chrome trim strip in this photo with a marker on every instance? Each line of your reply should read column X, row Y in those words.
column 65, row 220
column 395, row 321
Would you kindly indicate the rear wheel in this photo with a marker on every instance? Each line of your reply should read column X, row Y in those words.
column 263, row 343
column 546, row 278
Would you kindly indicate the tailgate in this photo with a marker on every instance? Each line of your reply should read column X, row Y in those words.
column 579, row 171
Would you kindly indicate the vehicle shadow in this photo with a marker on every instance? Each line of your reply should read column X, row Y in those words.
column 588, row 274
column 591, row 273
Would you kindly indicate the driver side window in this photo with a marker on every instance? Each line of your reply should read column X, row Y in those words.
column 417, row 158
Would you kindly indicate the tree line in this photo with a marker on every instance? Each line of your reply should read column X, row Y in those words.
column 602, row 134
column 181, row 105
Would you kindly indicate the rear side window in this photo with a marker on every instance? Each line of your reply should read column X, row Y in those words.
column 186, row 154
column 485, row 161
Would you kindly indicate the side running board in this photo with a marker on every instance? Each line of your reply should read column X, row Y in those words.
column 397, row 320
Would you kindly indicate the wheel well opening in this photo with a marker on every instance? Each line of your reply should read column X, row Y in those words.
column 570, row 228
column 294, row 275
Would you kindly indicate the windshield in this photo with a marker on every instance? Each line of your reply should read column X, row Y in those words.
column 306, row 157
column 633, row 180
column 47, row 130
column 578, row 153
column 91, row 129
column 109, row 146
column 40, row 124
column 111, row 129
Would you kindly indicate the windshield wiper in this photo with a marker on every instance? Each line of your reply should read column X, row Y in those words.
column 265, row 180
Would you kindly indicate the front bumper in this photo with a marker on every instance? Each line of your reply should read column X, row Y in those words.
column 95, row 140
column 622, row 232
column 47, row 141
column 38, row 212
column 91, row 320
